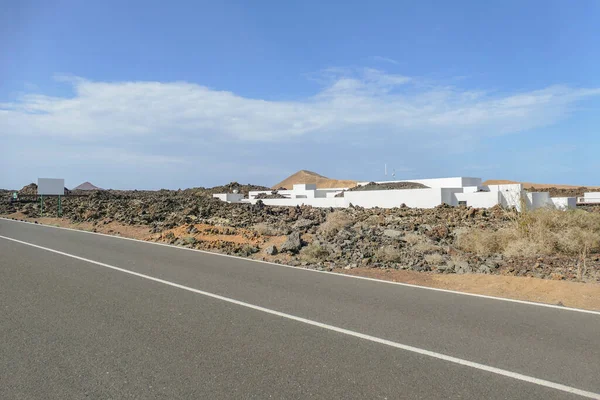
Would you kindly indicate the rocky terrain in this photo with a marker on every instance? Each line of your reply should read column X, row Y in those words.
column 28, row 190
column 400, row 238
column 272, row 195
column 388, row 186
column 384, row 186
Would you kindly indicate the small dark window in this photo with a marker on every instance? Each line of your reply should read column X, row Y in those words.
column 462, row 203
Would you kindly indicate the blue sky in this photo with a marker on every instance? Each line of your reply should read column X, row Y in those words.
column 154, row 94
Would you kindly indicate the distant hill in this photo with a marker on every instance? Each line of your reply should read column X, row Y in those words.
column 304, row 176
column 528, row 185
column 87, row 186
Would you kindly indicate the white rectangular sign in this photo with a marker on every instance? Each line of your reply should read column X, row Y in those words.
column 51, row 187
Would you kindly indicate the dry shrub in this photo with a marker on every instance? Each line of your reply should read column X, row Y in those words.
column 412, row 238
column 314, row 253
column 424, row 247
column 574, row 233
column 389, row 254
column 485, row 242
column 189, row 240
column 434, row 259
column 266, row 229
column 335, row 222
column 375, row 220
column 420, row 243
column 362, row 225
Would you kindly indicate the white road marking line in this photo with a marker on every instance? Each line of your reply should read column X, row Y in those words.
column 337, row 274
column 439, row 356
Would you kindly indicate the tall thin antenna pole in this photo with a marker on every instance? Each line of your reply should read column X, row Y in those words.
column 385, row 169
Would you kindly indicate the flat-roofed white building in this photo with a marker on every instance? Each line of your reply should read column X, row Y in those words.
column 589, row 198
column 456, row 191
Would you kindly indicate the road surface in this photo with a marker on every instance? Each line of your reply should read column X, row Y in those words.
column 90, row 316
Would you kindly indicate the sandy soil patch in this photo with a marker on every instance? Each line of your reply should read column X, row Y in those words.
column 112, row 228
column 568, row 294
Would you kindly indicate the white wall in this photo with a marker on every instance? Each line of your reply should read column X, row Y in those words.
column 311, row 192
column 538, row 200
column 473, row 189
column 479, row 199
column 510, row 195
column 253, row 193
column 301, row 193
column 220, row 196
column 455, row 182
column 333, row 193
column 449, row 196
column 420, row 198
column 229, row 197
column 304, row 186
column 304, row 191
column 511, row 187
column 564, row 203
column 328, row 192
column 590, row 198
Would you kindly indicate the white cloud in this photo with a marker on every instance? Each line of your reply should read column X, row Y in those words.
column 100, row 155
column 349, row 104
column 118, row 156
column 385, row 59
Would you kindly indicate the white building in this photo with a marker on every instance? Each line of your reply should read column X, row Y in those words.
column 230, row 197
column 589, row 198
column 452, row 191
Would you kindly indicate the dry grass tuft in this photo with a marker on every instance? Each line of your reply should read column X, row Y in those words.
column 335, row 222
column 420, row 243
column 434, row 259
column 426, row 248
column 266, row 229
column 573, row 233
column 314, row 253
column 412, row 238
column 388, row 254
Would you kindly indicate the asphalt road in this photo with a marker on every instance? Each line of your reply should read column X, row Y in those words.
column 193, row 325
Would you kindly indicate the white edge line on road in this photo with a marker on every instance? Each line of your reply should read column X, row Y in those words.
column 531, row 303
column 439, row 356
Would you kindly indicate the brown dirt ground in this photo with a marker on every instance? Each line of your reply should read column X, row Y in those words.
column 112, row 228
column 569, row 294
